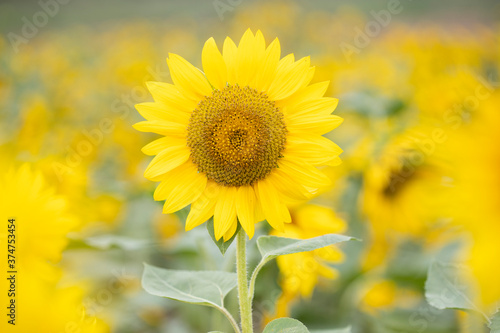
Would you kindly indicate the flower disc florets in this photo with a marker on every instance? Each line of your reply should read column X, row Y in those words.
column 236, row 136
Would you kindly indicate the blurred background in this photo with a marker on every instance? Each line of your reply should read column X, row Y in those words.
column 418, row 84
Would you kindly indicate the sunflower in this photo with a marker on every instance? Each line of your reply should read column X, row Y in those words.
column 475, row 196
column 66, row 308
column 401, row 175
column 241, row 140
column 42, row 222
column 42, row 229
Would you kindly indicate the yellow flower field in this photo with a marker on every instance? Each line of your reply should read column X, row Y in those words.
column 357, row 144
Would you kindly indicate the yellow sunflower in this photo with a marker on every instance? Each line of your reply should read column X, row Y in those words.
column 42, row 219
column 242, row 139
column 475, row 197
column 65, row 312
column 396, row 197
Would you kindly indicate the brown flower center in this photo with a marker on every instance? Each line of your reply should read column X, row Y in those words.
column 236, row 136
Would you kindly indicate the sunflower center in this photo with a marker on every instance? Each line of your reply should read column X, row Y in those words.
column 236, row 136
column 399, row 177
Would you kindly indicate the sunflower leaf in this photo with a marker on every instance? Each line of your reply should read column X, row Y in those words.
column 285, row 325
column 495, row 323
column 446, row 286
column 196, row 287
column 272, row 246
column 223, row 246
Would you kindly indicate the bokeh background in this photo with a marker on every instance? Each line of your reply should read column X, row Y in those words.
column 418, row 84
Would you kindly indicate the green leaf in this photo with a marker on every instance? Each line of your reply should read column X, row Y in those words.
column 272, row 246
column 195, row 287
column 223, row 246
column 285, row 325
column 446, row 286
column 495, row 323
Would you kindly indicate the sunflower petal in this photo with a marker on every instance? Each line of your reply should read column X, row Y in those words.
column 168, row 94
column 312, row 91
column 188, row 79
column 214, row 65
column 314, row 123
column 225, row 211
column 228, row 234
column 309, row 76
column 245, row 58
column 285, row 214
column 161, row 127
column 269, row 200
column 304, row 173
column 335, row 162
column 289, row 78
column 265, row 74
column 245, row 207
column 203, row 208
column 229, row 52
column 161, row 111
column 156, row 146
column 292, row 191
column 180, row 187
column 166, row 160
column 312, row 107
column 316, row 150
column 259, row 213
column 250, row 56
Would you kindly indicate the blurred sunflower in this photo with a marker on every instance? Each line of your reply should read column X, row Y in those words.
column 475, row 198
column 65, row 312
column 42, row 222
column 301, row 272
column 242, row 140
column 43, row 227
column 396, row 194
column 377, row 295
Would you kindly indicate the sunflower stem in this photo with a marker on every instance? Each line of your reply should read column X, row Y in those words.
column 243, row 293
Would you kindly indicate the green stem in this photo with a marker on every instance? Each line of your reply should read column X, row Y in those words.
column 253, row 278
column 230, row 318
column 241, row 269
